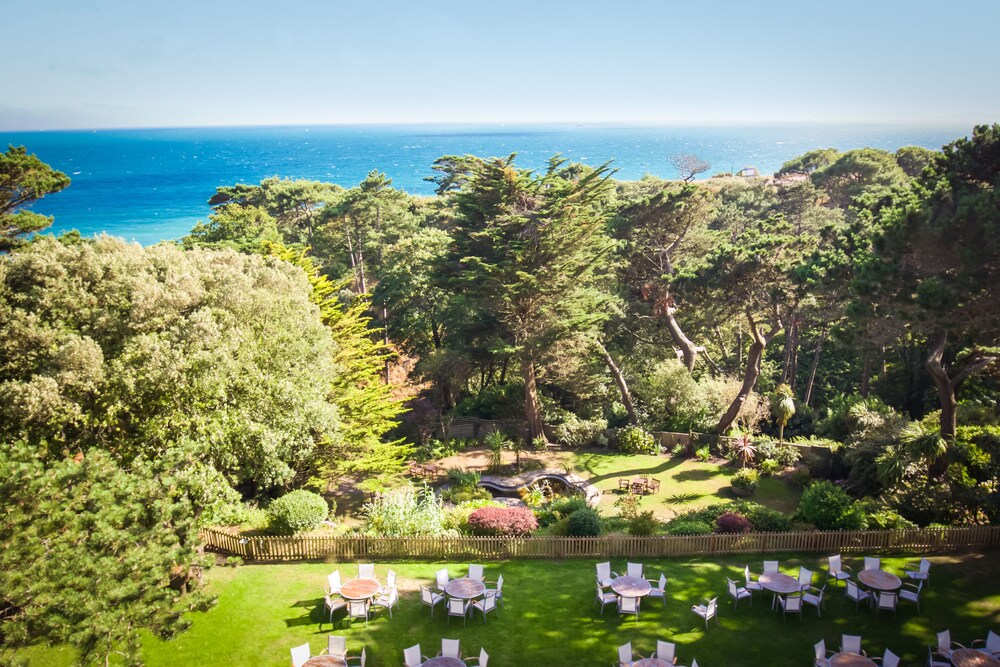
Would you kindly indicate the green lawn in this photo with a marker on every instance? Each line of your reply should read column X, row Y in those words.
column 550, row 618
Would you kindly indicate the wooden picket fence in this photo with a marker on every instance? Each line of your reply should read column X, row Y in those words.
column 359, row 547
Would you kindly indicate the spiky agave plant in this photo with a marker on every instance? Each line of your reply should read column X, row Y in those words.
column 783, row 408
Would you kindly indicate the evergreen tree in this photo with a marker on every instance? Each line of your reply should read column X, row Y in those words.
column 23, row 179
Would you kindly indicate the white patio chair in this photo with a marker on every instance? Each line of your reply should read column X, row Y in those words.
column 628, row 607
column 332, row 604
column 625, row 657
column 750, row 584
column 604, row 574
column 770, row 566
column 873, row 563
column 856, row 594
column 486, row 605
column 989, row 645
column 300, row 654
column 805, row 578
column 886, row 600
column 390, row 579
column 851, row 644
column 707, row 611
column 694, row 663
column 476, row 572
column 666, row 651
column 358, row 609
column 387, row 600
column 921, row 573
column 837, row 571
column 605, row 598
column 790, row 604
column 659, row 589
column 442, row 578
column 482, row 661
column 362, row 659
column 450, row 648
column 496, row 589
column 336, row 646
column 634, row 570
column 911, row 593
column 822, row 656
column 945, row 645
column 888, row 659
column 815, row 597
column 932, row 660
column 412, row 657
column 366, row 570
column 457, row 607
column 430, row 598
column 738, row 593
column 333, row 583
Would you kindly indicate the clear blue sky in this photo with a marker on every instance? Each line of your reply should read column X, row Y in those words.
column 148, row 63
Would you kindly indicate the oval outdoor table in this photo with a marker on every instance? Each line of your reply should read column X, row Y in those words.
column 443, row 661
column 631, row 587
column 651, row 662
column 360, row 589
column 850, row 660
column 464, row 588
column 880, row 580
column 325, row 661
column 779, row 584
column 970, row 657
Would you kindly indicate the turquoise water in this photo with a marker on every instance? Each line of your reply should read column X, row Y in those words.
column 151, row 185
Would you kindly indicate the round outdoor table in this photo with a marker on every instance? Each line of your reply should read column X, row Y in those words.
column 325, row 661
column 651, row 662
column 464, row 588
column 970, row 657
column 880, row 580
column 444, row 661
column 360, row 589
column 776, row 582
column 850, row 660
column 631, row 587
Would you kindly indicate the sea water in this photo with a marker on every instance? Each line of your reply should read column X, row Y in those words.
column 151, row 185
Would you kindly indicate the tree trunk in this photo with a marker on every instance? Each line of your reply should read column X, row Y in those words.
column 620, row 381
column 945, row 386
column 532, row 408
column 752, row 372
column 813, row 368
column 688, row 349
column 793, row 362
column 866, row 373
column 385, row 339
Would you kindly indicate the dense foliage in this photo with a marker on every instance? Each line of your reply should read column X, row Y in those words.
column 296, row 512
column 502, row 521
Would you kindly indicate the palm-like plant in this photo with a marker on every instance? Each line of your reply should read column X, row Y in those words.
column 744, row 448
column 496, row 442
column 783, row 408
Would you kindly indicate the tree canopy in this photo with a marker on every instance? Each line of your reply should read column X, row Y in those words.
column 24, row 179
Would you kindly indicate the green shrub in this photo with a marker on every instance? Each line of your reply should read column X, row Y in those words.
column 785, row 454
column 457, row 518
column 464, row 479
column 689, row 528
column 460, row 494
column 678, row 450
column 769, row 466
column 828, row 507
column 762, row 519
column 576, row 432
column 703, row 454
column 800, row 477
column 887, row 519
column 634, row 440
column 297, row 512
column 584, row 523
column 405, row 512
column 744, row 482
column 644, row 523
column 628, row 507
column 560, row 509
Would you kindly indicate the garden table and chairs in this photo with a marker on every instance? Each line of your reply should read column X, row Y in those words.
column 851, row 660
column 360, row 589
column 465, row 588
column 631, row 587
column 779, row 584
column 971, row 657
column 880, row 580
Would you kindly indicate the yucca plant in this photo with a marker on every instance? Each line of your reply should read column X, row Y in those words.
column 783, row 408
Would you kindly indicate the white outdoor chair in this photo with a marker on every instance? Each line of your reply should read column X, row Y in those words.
column 625, row 657
column 358, row 609
column 604, row 574
column 770, row 566
column 888, row 659
column 921, row 573
column 790, row 604
column 333, row 583
column 815, row 597
column 837, row 571
column 336, row 646
column 989, row 645
column 442, row 578
column 300, row 654
column 750, row 584
column 707, row 611
column 945, row 661
column 738, row 593
column 604, row 598
column 332, row 604
column 482, row 660
column 805, row 578
column 450, row 648
column 887, row 601
column 659, row 588
column 486, row 605
column 634, row 570
column 387, row 600
column 851, row 644
column 666, row 651
column 430, row 598
column 694, row 663
column 412, row 657
column 856, row 594
column 497, row 590
column 366, row 570
column 390, row 579
column 628, row 607
column 945, row 645
column 822, row 656
column 457, row 607
column 911, row 593
column 476, row 572
column 362, row 659
column 873, row 563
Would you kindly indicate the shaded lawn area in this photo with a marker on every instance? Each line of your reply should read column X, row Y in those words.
column 550, row 618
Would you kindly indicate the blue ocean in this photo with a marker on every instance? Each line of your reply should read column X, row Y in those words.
column 153, row 184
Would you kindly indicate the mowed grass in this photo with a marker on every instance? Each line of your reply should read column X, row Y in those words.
column 684, row 483
column 550, row 618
